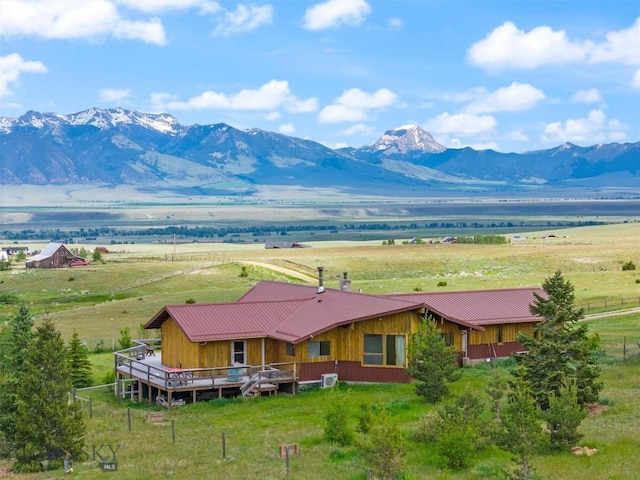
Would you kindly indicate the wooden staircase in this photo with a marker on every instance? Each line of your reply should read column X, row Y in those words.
column 262, row 381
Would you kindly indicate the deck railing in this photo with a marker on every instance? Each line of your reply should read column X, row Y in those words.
column 131, row 362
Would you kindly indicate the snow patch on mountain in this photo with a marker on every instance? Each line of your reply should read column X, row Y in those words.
column 407, row 139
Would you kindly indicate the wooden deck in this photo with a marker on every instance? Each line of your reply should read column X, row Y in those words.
column 146, row 378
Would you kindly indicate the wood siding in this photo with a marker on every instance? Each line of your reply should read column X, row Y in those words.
column 353, row 372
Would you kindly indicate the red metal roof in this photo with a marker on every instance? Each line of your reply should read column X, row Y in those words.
column 220, row 321
column 294, row 313
column 480, row 307
column 289, row 319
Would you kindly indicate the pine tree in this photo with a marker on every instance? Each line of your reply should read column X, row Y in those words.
column 431, row 362
column 14, row 344
column 521, row 430
column 561, row 348
column 564, row 416
column 383, row 449
column 47, row 424
column 79, row 364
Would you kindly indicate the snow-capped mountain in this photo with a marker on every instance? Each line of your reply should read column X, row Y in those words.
column 405, row 140
column 119, row 146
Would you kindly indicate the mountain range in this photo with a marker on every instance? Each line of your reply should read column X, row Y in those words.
column 154, row 151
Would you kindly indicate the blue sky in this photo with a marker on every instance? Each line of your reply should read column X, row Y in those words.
column 508, row 75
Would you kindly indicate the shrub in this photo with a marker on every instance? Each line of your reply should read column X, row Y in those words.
column 628, row 266
column 428, row 428
column 336, row 428
column 71, row 279
column 456, row 447
column 442, row 283
column 190, row 301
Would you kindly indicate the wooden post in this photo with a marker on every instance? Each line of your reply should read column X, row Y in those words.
column 224, row 446
column 129, row 418
column 624, row 349
column 173, row 430
column 90, row 407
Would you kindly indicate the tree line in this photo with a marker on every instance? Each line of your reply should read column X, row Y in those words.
column 183, row 231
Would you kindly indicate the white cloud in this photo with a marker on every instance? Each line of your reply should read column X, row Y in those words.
column 622, row 46
column 462, row 124
column 243, row 19
column 358, row 129
column 508, row 47
column 635, row 82
column 457, row 143
column 595, row 128
column 334, row 13
column 269, row 97
column 353, row 105
column 516, row 97
column 114, row 95
column 591, row 95
column 69, row 19
column 517, row 135
column 286, row 128
column 11, row 67
column 159, row 6
column 272, row 116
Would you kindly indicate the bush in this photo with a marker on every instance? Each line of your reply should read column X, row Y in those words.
column 628, row 266
column 337, row 429
column 442, row 283
column 428, row 428
column 190, row 301
column 456, row 447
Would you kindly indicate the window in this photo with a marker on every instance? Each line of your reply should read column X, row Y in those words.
column 238, row 352
column 291, row 349
column 318, row 349
column 500, row 337
column 448, row 338
column 384, row 350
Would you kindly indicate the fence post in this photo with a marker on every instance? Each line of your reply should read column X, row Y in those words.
column 129, row 418
column 173, row 430
column 224, row 446
column 90, row 407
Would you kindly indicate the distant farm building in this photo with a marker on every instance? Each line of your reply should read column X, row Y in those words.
column 285, row 245
column 54, row 255
column 14, row 250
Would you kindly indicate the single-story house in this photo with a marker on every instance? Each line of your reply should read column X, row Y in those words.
column 318, row 331
column 54, row 255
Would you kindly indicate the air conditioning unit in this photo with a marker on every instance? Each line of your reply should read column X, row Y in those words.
column 329, row 380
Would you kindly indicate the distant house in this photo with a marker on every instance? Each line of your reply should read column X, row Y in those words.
column 54, row 255
column 285, row 245
column 102, row 250
column 312, row 332
column 448, row 240
column 15, row 249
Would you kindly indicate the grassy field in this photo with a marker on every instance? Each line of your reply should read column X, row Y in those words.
column 134, row 283
column 254, row 430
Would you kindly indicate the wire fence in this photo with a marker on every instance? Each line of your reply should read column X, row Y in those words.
column 609, row 305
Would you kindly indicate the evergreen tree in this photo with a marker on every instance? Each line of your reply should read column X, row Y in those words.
column 520, row 431
column 47, row 424
column 79, row 364
column 561, row 349
column 14, row 342
column 564, row 416
column 431, row 362
column 383, row 449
